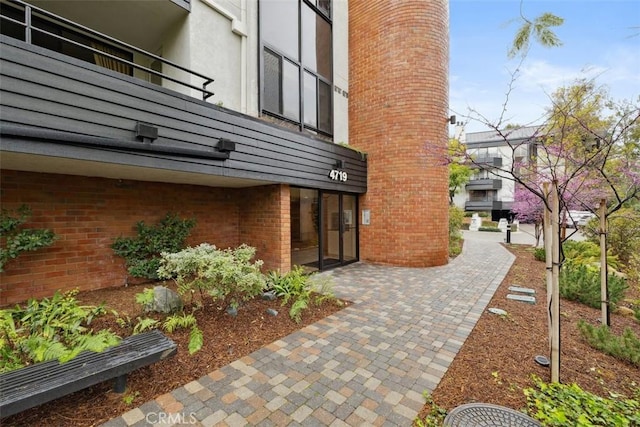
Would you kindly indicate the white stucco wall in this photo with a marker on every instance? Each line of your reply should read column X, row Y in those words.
column 505, row 194
column 219, row 38
column 216, row 33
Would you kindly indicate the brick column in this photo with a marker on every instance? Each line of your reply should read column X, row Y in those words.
column 398, row 115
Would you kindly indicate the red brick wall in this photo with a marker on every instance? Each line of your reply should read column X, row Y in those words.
column 398, row 115
column 265, row 223
column 87, row 214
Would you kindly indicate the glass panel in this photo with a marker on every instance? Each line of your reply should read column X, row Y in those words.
column 325, row 7
column 325, row 110
column 304, row 228
column 279, row 23
column 310, row 96
column 330, row 230
column 272, row 89
column 316, row 43
column 291, row 91
column 349, row 222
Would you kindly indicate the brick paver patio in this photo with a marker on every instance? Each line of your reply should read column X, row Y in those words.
column 366, row 365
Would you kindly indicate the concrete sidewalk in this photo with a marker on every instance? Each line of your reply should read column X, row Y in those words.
column 365, row 365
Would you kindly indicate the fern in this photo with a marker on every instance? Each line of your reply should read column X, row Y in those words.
column 40, row 349
column 49, row 329
column 177, row 321
column 296, row 309
column 195, row 340
column 144, row 325
column 96, row 342
column 145, row 298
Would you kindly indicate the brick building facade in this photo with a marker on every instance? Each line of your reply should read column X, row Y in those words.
column 251, row 164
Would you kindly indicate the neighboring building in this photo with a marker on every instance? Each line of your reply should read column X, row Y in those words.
column 489, row 188
column 238, row 113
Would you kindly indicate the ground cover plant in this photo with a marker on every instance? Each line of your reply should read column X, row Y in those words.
column 493, row 367
column 49, row 329
column 226, row 338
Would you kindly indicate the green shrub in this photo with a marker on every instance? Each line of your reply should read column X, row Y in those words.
column 582, row 284
column 492, row 229
column 456, row 218
column 563, row 405
column 143, row 252
column 585, row 253
column 17, row 239
column 298, row 287
column 539, row 254
column 623, row 234
column 49, row 329
column 225, row 274
column 625, row 347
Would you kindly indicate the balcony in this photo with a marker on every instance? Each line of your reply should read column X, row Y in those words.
column 486, row 205
column 488, row 161
column 484, row 184
column 79, row 39
column 64, row 111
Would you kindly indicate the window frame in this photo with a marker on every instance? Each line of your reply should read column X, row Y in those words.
column 302, row 69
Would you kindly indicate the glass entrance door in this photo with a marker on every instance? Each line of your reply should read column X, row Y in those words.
column 350, row 229
column 331, row 243
column 324, row 229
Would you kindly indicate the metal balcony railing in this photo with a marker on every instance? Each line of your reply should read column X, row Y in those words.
column 32, row 15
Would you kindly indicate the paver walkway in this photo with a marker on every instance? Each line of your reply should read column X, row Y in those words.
column 365, row 365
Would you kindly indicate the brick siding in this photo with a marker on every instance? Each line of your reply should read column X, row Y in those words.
column 398, row 115
column 87, row 214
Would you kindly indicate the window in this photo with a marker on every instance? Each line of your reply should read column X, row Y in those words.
column 297, row 62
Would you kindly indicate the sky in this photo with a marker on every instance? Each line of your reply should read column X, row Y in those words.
column 600, row 39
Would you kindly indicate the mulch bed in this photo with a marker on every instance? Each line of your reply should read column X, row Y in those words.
column 496, row 361
column 226, row 339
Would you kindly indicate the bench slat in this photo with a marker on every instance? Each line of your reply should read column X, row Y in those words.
column 36, row 384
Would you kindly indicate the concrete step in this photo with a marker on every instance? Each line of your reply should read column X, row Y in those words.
column 523, row 298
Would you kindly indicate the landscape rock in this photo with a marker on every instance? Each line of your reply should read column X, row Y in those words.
column 272, row 312
column 165, row 300
column 269, row 296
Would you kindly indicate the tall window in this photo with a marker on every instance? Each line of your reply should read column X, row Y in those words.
column 297, row 62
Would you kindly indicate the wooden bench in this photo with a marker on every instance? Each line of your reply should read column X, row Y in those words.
column 36, row 384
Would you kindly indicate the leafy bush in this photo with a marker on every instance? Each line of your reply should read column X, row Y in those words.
column 456, row 218
column 17, row 239
column 582, row 284
column 585, row 253
column 539, row 254
column 568, row 405
column 220, row 274
column 299, row 287
column 143, row 252
column 625, row 347
column 226, row 275
column 49, row 329
column 623, row 233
